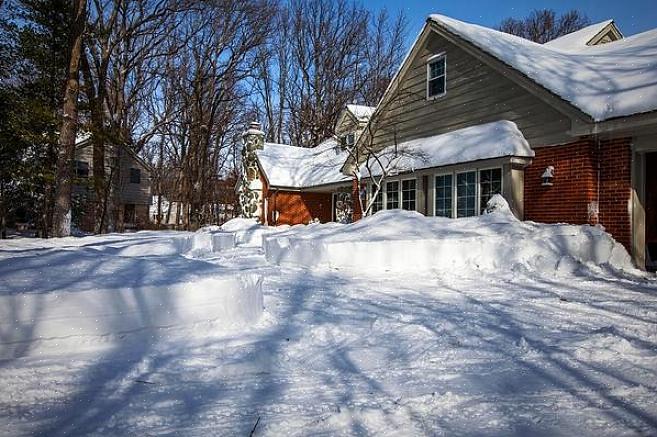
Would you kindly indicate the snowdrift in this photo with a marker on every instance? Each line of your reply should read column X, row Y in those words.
column 64, row 321
column 248, row 232
column 196, row 244
column 408, row 241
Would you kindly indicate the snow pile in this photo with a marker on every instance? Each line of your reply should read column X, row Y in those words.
column 404, row 241
column 485, row 141
column 297, row 167
column 579, row 39
column 201, row 243
column 248, row 232
column 56, row 320
column 604, row 81
column 195, row 244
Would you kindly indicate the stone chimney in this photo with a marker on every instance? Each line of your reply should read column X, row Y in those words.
column 250, row 188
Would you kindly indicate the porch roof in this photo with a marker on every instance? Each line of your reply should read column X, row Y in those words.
column 485, row 141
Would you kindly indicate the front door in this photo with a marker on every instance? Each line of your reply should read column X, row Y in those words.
column 651, row 210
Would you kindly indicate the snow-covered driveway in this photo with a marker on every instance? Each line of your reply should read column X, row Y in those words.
column 507, row 353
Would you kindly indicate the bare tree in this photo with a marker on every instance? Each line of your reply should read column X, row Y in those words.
column 375, row 160
column 543, row 25
column 124, row 38
column 323, row 56
column 201, row 91
column 62, row 210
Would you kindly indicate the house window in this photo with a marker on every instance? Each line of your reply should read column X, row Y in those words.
column 392, row 195
column 443, row 196
column 135, row 176
column 490, row 183
column 349, row 140
column 408, row 194
column 129, row 215
column 377, row 204
column 466, row 194
column 436, row 76
column 81, row 169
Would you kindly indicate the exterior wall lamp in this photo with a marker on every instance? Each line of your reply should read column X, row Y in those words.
column 548, row 176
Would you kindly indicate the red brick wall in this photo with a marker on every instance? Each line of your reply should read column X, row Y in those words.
column 575, row 185
column 299, row 207
column 616, row 188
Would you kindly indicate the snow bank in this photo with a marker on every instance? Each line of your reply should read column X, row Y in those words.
column 64, row 321
column 209, row 242
column 408, row 241
column 196, row 244
column 248, row 232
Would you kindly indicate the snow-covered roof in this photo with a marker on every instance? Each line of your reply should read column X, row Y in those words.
column 604, row 81
column 300, row 167
column 485, row 141
column 361, row 112
column 578, row 39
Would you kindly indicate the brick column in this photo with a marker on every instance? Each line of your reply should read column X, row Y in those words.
column 355, row 193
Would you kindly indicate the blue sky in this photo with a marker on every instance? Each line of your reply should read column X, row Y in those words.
column 632, row 16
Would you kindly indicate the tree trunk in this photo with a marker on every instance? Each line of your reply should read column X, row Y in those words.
column 62, row 211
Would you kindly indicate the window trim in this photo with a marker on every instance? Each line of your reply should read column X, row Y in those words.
column 445, row 173
column 401, row 193
column 385, row 206
column 456, row 184
column 501, row 169
column 428, row 78
column 454, row 174
column 370, row 189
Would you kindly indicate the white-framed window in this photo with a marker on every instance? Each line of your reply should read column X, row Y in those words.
column 408, row 194
column 490, row 183
column 465, row 193
column 392, row 195
column 377, row 204
column 436, row 76
column 444, row 195
column 348, row 140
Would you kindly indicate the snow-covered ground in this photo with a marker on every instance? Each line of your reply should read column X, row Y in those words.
column 467, row 350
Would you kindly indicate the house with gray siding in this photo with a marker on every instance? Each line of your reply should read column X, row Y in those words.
column 129, row 196
column 566, row 131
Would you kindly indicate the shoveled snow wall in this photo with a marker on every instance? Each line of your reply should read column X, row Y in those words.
column 407, row 241
column 248, row 232
column 73, row 320
column 193, row 243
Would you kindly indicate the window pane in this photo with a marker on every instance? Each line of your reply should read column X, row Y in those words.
column 444, row 196
column 392, row 195
column 437, row 68
column 490, row 183
column 436, row 79
column 82, row 169
column 408, row 195
column 466, row 194
column 437, row 86
column 377, row 205
column 135, row 176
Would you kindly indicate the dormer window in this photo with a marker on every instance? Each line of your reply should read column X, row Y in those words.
column 348, row 140
column 436, row 76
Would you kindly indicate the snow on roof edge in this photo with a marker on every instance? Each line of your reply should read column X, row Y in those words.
column 492, row 140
